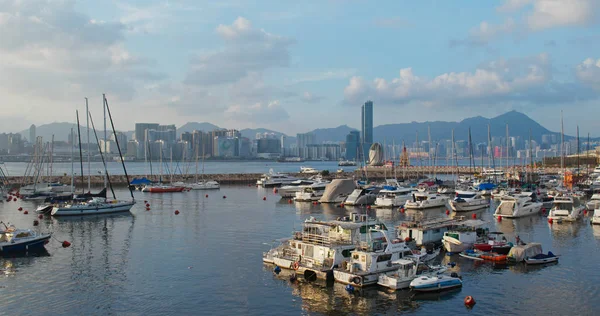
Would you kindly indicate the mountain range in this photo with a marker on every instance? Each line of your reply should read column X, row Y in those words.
column 519, row 124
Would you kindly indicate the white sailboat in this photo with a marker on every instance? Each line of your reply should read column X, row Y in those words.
column 97, row 205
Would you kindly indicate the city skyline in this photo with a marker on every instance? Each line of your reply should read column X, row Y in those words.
column 287, row 67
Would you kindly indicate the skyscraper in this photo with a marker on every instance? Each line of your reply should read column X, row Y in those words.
column 32, row 134
column 352, row 145
column 366, row 127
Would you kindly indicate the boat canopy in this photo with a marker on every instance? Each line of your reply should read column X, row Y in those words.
column 140, row 181
column 336, row 188
column 520, row 252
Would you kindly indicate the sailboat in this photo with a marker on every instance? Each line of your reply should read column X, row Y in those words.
column 203, row 184
column 162, row 187
column 98, row 205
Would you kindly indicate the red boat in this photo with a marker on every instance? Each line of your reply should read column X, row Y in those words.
column 496, row 243
column 162, row 189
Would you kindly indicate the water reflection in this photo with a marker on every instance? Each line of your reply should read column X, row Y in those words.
column 596, row 231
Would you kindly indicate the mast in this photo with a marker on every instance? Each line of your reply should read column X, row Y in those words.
column 196, row 173
column 489, row 148
column 562, row 146
column 146, row 145
column 171, row 170
column 429, row 144
column 471, row 158
column 578, row 149
column 418, row 155
column 530, row 174
column 105, row 142
column 452, row 158
column 72, row 164
column 88, row 146
column 118, row 146
column 102, row 156
column 587, row 156
column 160, row 163
column 507, row 148
column 51, row 156
column 80, row 153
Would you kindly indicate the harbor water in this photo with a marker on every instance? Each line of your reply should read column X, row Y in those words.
column 208, row 261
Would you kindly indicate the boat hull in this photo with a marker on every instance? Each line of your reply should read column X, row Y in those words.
column 541, row 261
column 435, row 284
column 469, row 206
column 163, row 190
column 35, row 243
column 92, row 210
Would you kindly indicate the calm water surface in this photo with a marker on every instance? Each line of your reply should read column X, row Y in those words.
column 207, row 260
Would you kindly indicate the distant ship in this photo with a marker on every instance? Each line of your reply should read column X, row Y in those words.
column 344, row 163
column 290, row 159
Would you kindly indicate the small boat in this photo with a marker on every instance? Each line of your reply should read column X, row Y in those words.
column 464, row 236
column 308, row 170
column 346, row 163
column 425, row 254
column 566, row 208
column 423, row 200
column 496, row 243
column 542, row 258
column 94, row 206
column 205, row 185
column 13, row 239
column 162, row 188
column 517, row 206
column 491, row 256
column 407, row 270
column 594, row 202
column 393, row 196
column 470, row 254
column 466, row 201
column 596, row 218
column 436, row 283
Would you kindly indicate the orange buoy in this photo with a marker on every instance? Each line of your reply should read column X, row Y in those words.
column 147, row 204
column 342, row 205
column 25, row 212
column 15, row 199
column 20, row 209
column 474, row 216
column 66, row 244
column 550, row 221
column 176, row 212
column 275, row 190
column 224, row 197
column 584, row 212
column 368, row 207
column 469, row 301
column 402, row 210
column 40, row 216
column 290, row 201
column 407, row 239
column 264, row 198
column 447, row 212
column 206, row 196
column 147, row 208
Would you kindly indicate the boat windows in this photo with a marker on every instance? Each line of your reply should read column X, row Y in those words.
column 465, row 196
column 346, row 253
column 386, row 257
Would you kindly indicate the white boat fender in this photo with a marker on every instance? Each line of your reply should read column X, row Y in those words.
column 357, row 280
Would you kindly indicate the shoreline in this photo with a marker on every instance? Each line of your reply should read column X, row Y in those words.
column 372, row 173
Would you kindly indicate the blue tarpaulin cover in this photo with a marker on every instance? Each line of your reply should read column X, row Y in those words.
column 140, row 181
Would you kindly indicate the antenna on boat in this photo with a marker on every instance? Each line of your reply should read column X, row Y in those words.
column 118, row 146
column 102, row 156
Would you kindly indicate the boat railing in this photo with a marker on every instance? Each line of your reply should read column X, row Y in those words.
column 325, row 240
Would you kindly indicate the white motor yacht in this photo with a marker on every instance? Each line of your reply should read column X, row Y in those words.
column 311, row 193
column 596, row 218
column 466, row 201
column 275, row 179
column 308, row 170
column 566, row 208
column 465, row 236
column 517, row 206
column 594, row 202
column 393, row 197
column 289, row 190
column 371, row 259
column 423, row 200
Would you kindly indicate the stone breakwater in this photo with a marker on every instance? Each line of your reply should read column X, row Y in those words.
column 373, row 173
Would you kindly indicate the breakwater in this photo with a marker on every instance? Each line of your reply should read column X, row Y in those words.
column 373, row 173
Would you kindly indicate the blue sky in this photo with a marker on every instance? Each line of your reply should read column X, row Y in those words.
column 293, row 66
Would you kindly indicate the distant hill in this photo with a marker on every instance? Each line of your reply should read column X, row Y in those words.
column 335, row 134
column 519, row 124
column 195, row 126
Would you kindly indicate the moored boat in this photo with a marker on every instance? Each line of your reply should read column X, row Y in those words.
column 517, row 206
column 424, row 200
column 435, row 283
column 542, row 258
column 466, row 201
column 566, row 208
column 13, row 239
column 162, row 188
column 406, row 271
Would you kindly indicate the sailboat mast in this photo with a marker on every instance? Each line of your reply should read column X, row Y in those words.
column 196, row 144
column 80, row 153
column 88, row 145
column 118, row 147
column 452, row 156
column 72, row 164
column 562, row 146
column 102, row 156
column 507, row 148
column 105, row 140
column 51, row 156
column 429, row 144
column 578, row 148
column 418, row 154
column 160, row 163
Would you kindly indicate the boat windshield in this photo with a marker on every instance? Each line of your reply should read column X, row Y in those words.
column 563, row 205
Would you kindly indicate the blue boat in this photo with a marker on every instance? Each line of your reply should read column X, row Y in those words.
column 15, row 240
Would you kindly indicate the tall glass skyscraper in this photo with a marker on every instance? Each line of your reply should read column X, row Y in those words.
column 366, row 128
column 352, row 145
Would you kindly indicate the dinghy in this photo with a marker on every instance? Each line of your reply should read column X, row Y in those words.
column 436, row 283
column 542, row 258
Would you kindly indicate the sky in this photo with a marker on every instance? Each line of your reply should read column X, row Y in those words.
column 293, row 66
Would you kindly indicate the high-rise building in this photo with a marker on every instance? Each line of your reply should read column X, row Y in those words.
column 32, row 134
column 352, row 145
column 140, row 135
column 366, row 127
column 305, row 139
column 121, row 137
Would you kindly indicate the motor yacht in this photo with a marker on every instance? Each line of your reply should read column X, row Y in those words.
column 424, row 200
column 566, row 208
column 466, row 201
column 517, row 206
column 393, row 196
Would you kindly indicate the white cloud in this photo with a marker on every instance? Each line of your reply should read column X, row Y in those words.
column 311, row 98
column 525, row 80
column 589, row 72
column 247, row 50
column 324, row 75
column 533, row 16
column 257, row 113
